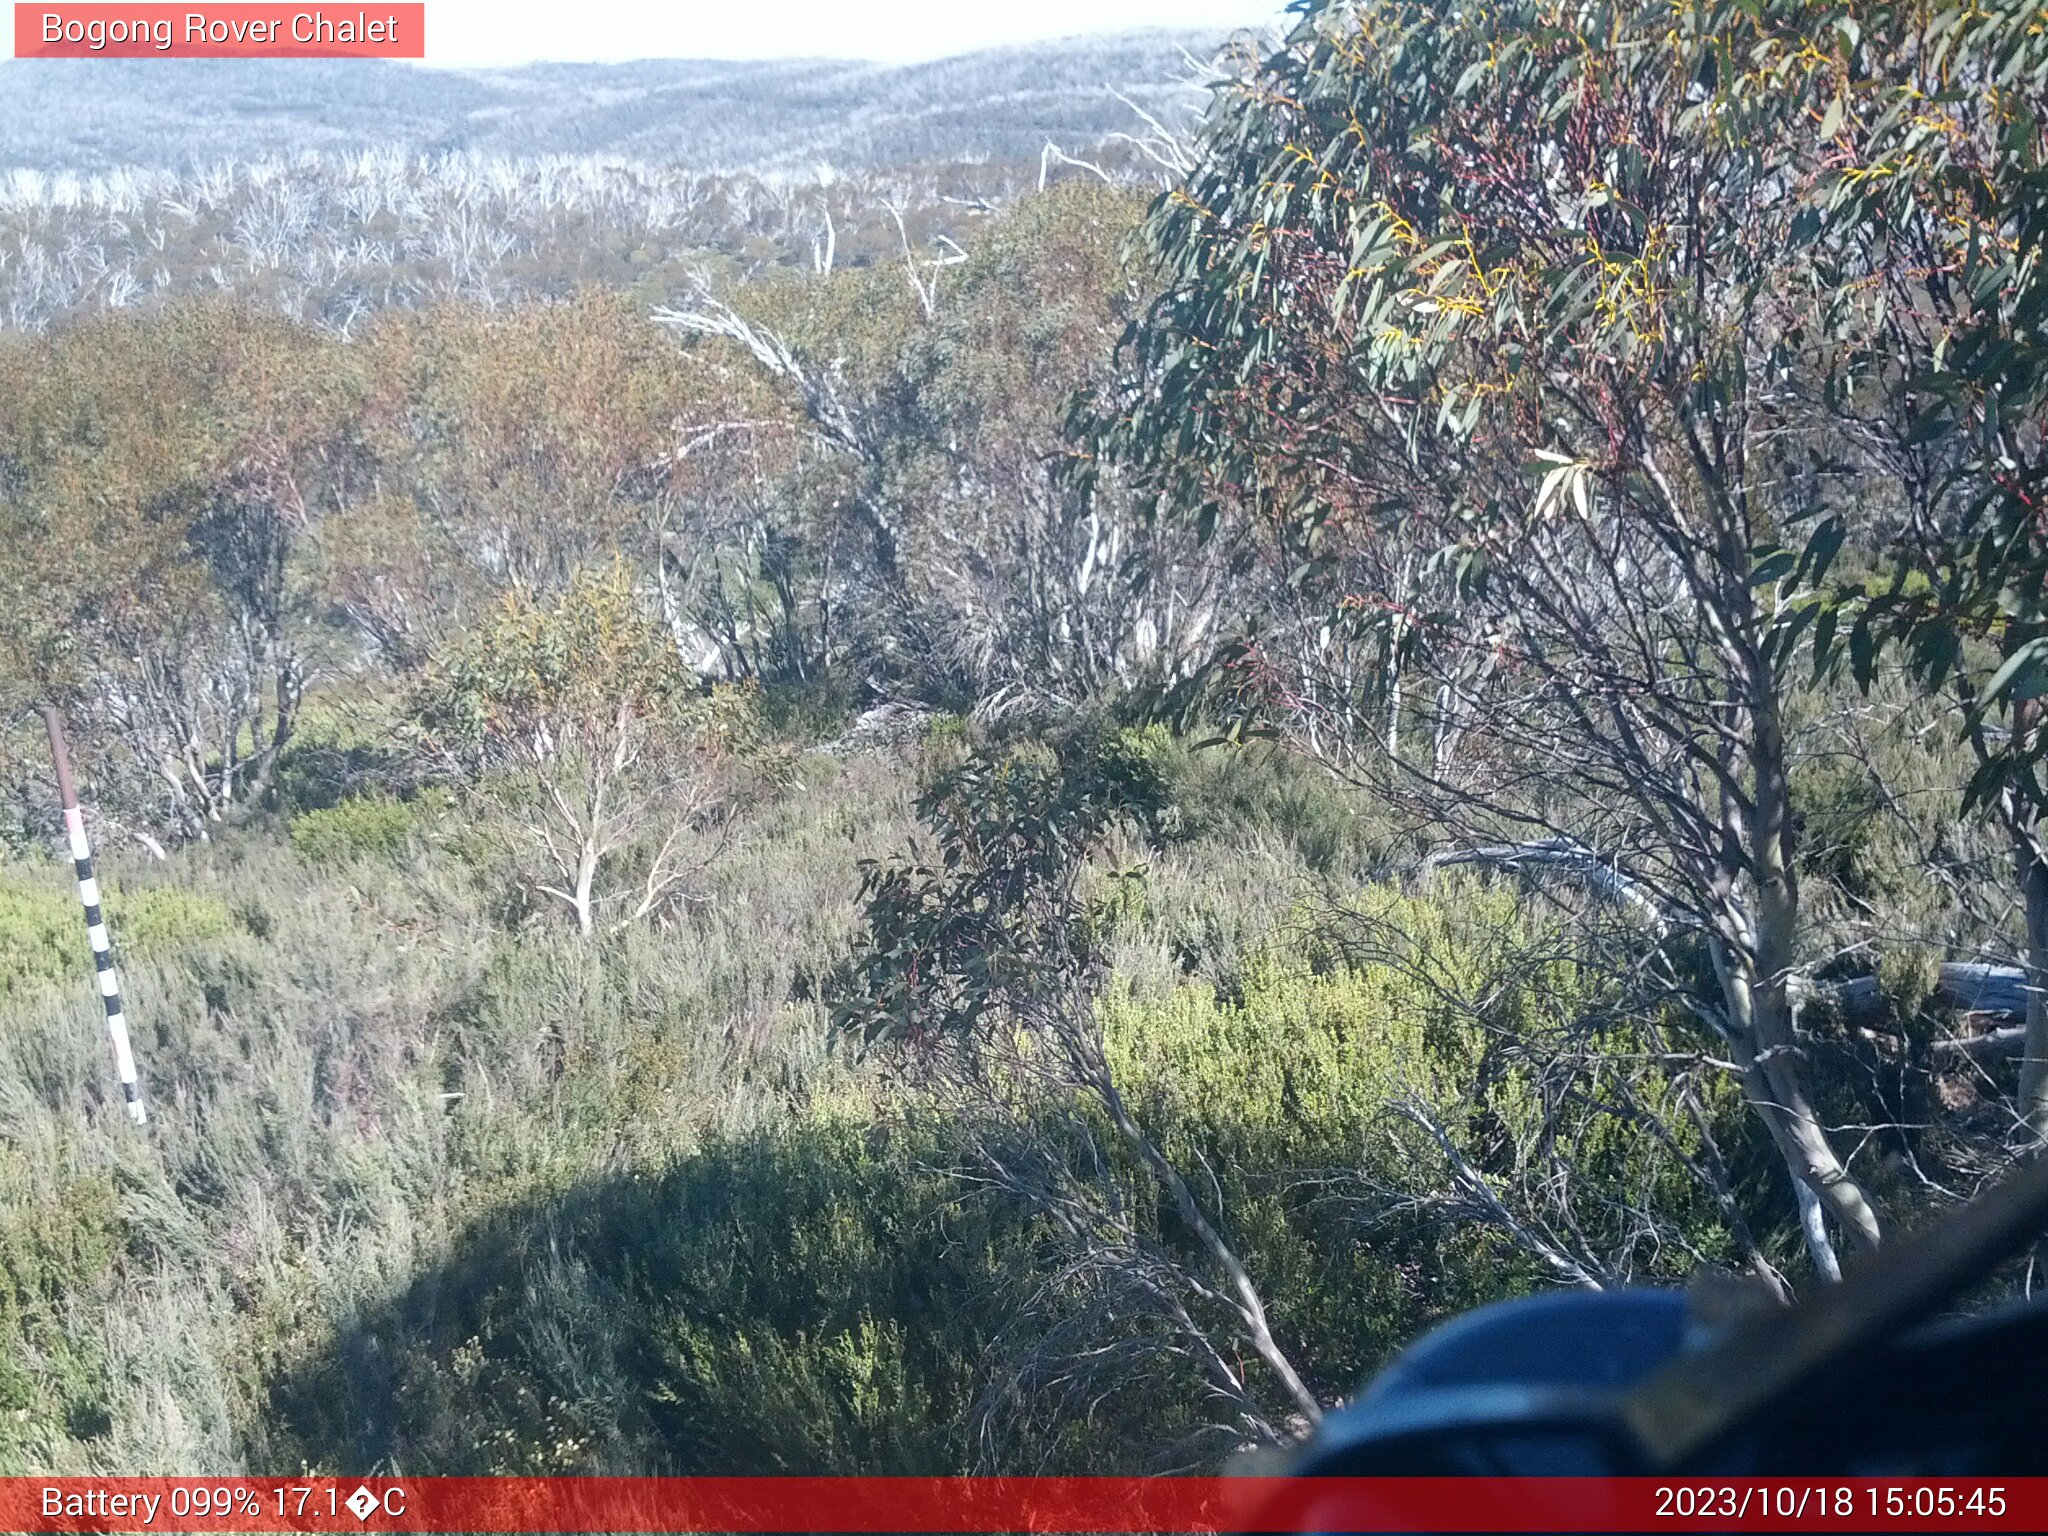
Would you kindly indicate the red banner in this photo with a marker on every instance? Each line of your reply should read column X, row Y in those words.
column 1050, row 1504
column 375, row 31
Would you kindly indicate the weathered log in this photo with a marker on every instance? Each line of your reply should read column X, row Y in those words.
column 1993, row 989
column 2006, row 1044
column 1575, row 860
column 1967, row 986
column 1987, row 992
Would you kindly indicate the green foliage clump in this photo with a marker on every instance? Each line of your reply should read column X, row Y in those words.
column 361, row 826
column 41, row 937
column 804, row 1298
column 992, row 907
column 1304, row 1070
column 575, row 663
column 42, row 934
column 339, row 751
column 1295, row 1075
column 948, row 741
column 57, row 1255
column 159, row 919
column 1839, row 807
column 1261, row 787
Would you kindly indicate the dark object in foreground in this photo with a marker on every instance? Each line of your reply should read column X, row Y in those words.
column 1854, row 1381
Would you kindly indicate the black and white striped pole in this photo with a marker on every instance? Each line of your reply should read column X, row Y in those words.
column 96, row 923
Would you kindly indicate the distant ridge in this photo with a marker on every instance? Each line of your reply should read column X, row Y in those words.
column 76, row 115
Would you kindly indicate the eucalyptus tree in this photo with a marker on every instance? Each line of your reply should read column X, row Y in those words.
column 1490, row 341
column 980, row 958
column 1935, row 223
column 945, row 547
column 167, row 475
column 587, row 744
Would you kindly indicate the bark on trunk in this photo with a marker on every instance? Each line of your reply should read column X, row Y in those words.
column 586, row 878
column 1762, row 1005
column 2033, row 1085
column 1767, row 1048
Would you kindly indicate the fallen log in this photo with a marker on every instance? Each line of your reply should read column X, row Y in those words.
column 1966, row 986
column 1982, row 991
column 1575, row 861
column 2007, row 1044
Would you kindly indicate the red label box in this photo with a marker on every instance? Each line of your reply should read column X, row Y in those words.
column 1048, row 1506
column 113, row 31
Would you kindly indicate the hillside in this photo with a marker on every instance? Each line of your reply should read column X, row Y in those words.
column 59, row 115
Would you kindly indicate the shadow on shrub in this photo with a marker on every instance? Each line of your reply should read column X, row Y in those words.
column 805, row 1299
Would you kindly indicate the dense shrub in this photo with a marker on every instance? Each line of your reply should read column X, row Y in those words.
column 42, row 933
column 344, row 747
column 156, row 920
column 57, row 1255
column 361, row 826
column 809, row 1297
column 1284, row 1092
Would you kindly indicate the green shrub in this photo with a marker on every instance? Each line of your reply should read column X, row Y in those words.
column 1297, row 1075
column 1115, row 904
column 802, row 1298
column 357, row 827
column 948, row 742
column 42, row 931
column 814, row 709
column 1337, row 829
column 57, row 1255
column 41, row 935
column 1839, row 808
column 161, row 919
column 338, row 751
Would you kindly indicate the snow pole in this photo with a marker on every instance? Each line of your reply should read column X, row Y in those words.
column 95, row 922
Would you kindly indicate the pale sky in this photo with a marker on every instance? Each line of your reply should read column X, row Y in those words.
column 474, row 33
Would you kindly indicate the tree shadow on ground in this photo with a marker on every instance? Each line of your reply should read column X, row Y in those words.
column 801, row 1300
